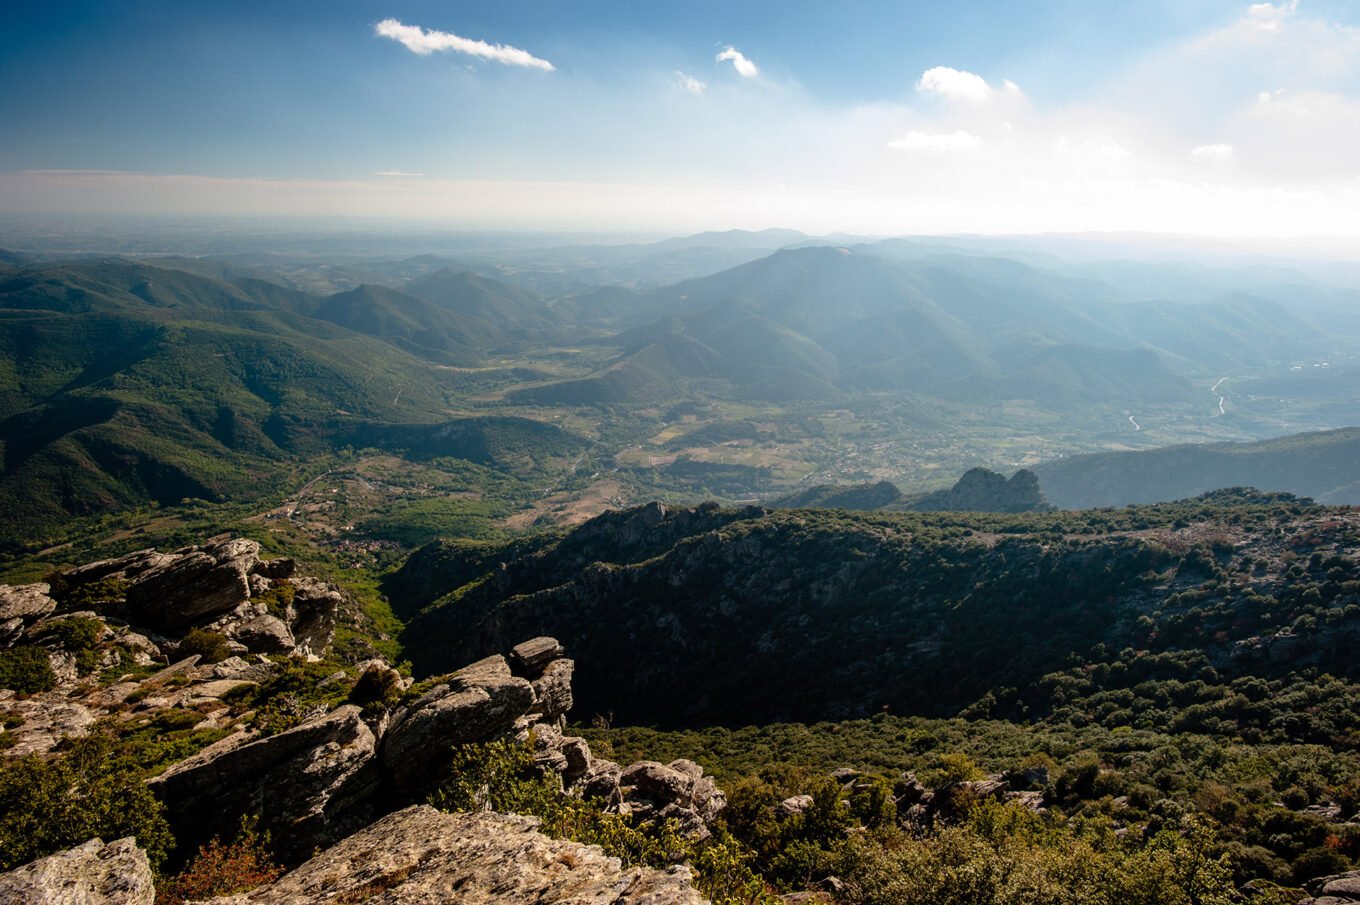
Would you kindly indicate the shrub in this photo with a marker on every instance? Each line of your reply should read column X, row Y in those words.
column 221, row 869
column 47, row 806
column 377, row 685
column 26, row 669
column 79, row 637
column 277, row 599
column 212, row 647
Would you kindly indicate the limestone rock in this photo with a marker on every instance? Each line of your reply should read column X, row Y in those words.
column 89, row 874
column 311, row 784
column 479, row 702
column 420, row 855
column 47, row 719
column 193, row 584
column 275, row 569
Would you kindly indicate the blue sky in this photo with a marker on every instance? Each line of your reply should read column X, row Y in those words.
column 889, row 117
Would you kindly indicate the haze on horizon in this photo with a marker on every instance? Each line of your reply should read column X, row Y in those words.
column 1204, row 117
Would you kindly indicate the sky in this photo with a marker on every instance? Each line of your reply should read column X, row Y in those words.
column 1185, row 116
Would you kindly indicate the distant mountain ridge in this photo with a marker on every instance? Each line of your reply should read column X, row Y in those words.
column 820, row 320
column 1324, row 465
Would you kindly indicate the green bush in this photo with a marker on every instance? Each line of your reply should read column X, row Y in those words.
column 78, row 636
column 212, row 647
column 50, row 805
column 26, row 669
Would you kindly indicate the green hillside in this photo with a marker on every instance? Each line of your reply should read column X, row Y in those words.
column 123, row 383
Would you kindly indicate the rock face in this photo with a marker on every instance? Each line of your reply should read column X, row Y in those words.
column 982, row 490
column 677, row 791
column 89, row 874
column 312, row 784
column 420, row 855
column 478, row 703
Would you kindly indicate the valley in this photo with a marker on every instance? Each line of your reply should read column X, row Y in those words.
column 882, row 546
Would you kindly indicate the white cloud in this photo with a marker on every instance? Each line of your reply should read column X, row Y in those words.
column 745, row 68
column 1218, row 153
column 958, row 85
column 690, row 83
column 397, row 173
column 958, row 140
column 1267, row 16
column 425, row 42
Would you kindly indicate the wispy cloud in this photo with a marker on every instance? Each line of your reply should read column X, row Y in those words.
column 958, row 140
column 959, row 85
column 396, row 173
column 427, row 41
column 690, row 83
column 745, row 68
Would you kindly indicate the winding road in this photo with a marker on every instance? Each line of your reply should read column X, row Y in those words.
column 1214, row 389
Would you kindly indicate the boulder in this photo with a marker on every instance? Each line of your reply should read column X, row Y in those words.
column 1335, row 888
column 275, row 569
column 310, row 785
column 47, row 719
column 263, row 635
column 90, row 874
column 420, row 855
column 530, row 657
column 790, row 807
column 479, row 702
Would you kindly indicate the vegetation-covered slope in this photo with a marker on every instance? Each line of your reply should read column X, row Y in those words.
column 713, row 616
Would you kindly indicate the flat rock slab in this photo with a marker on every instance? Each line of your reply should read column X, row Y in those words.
column 420, row 855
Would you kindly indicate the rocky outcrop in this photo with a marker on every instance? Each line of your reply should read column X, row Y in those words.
column 867, row 496
column 676, row 791
column 317, row 781
column 478, row 703
column 983, row 490
column 420, row 855
column 1338, row 889
column 329, row 776
column 260, row 606
column 91, row 874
